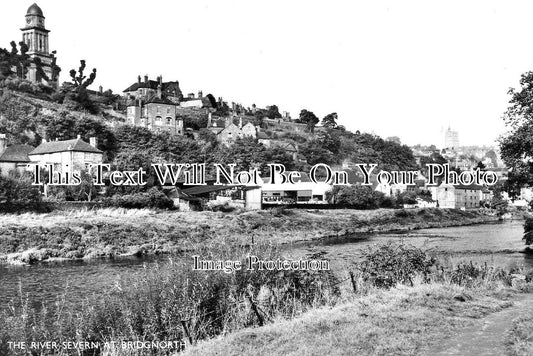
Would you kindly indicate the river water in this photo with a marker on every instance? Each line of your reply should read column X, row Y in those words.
column 498, row 243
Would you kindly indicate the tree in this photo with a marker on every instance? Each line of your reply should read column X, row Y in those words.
column 308, row 118
column 356, row 196
column 517, row 147
column 330, row 121
column 273, row 112
column 79, row 79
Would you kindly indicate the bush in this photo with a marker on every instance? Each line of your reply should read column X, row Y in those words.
column 357, row 197
column 153, row 198
column 387, row 265
column 17, row 194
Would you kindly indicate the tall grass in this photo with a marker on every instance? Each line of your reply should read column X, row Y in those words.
column 172, row 302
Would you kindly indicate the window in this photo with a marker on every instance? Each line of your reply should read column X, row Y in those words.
column 158, row 120
column 168, row 110
column 169, row 121
column 158, row 109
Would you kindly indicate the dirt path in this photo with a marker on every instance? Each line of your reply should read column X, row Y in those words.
column 487, row 335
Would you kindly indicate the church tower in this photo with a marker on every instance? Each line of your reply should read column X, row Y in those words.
column 35, row 35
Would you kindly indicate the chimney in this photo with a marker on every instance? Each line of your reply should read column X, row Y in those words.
column 209, row 118
column 161, row 79
column 93, row 141
column 146, row 78
column 3, row 143
column 200, row 94
column 191, row 95
column 159, row 90
column 139, row 79
column 100, row 89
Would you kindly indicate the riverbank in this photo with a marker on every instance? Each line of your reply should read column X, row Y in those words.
column 30, row 238
column 416, row 320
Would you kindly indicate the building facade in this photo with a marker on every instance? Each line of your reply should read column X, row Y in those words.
column 67, row 156
column 458, row 196
column 155, row 109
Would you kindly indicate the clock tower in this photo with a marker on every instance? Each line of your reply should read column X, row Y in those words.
column 35, row 35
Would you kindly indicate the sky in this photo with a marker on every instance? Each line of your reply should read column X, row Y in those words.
column 395, row 68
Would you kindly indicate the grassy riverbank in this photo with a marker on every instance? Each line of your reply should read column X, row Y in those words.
column 401, row 321
column 29, row 238
column 404, row 303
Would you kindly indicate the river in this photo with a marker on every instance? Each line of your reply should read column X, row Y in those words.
column 499, row 243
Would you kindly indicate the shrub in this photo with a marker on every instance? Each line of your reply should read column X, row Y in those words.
column 153, row 198
column 389, row 264
column 17, row 194
column 468, row 274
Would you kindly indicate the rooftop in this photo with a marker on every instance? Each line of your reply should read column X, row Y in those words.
column 16, row 153
column 61, row 146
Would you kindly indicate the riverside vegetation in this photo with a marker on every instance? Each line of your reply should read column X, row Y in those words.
column 29, row 238
column 399, row 300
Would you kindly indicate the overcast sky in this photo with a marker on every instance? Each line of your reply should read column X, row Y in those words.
column 395, row 68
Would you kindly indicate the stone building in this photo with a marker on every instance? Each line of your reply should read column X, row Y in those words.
column 35, row 35
column 457, row 196
column 67, row 156
column 155, row 109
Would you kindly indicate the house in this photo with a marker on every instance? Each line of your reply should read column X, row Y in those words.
column 67, row 156
column 199, row 102
column 148, row 88
column 458, row 196
column 155, row 110
column 232, row 132
column 13, row 158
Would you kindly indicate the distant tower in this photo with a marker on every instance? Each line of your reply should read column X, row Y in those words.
column 35, row 35
column 451, row 139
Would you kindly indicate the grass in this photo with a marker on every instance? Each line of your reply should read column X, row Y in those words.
column 400, row 321
column 29, row 238
column 521, row 336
